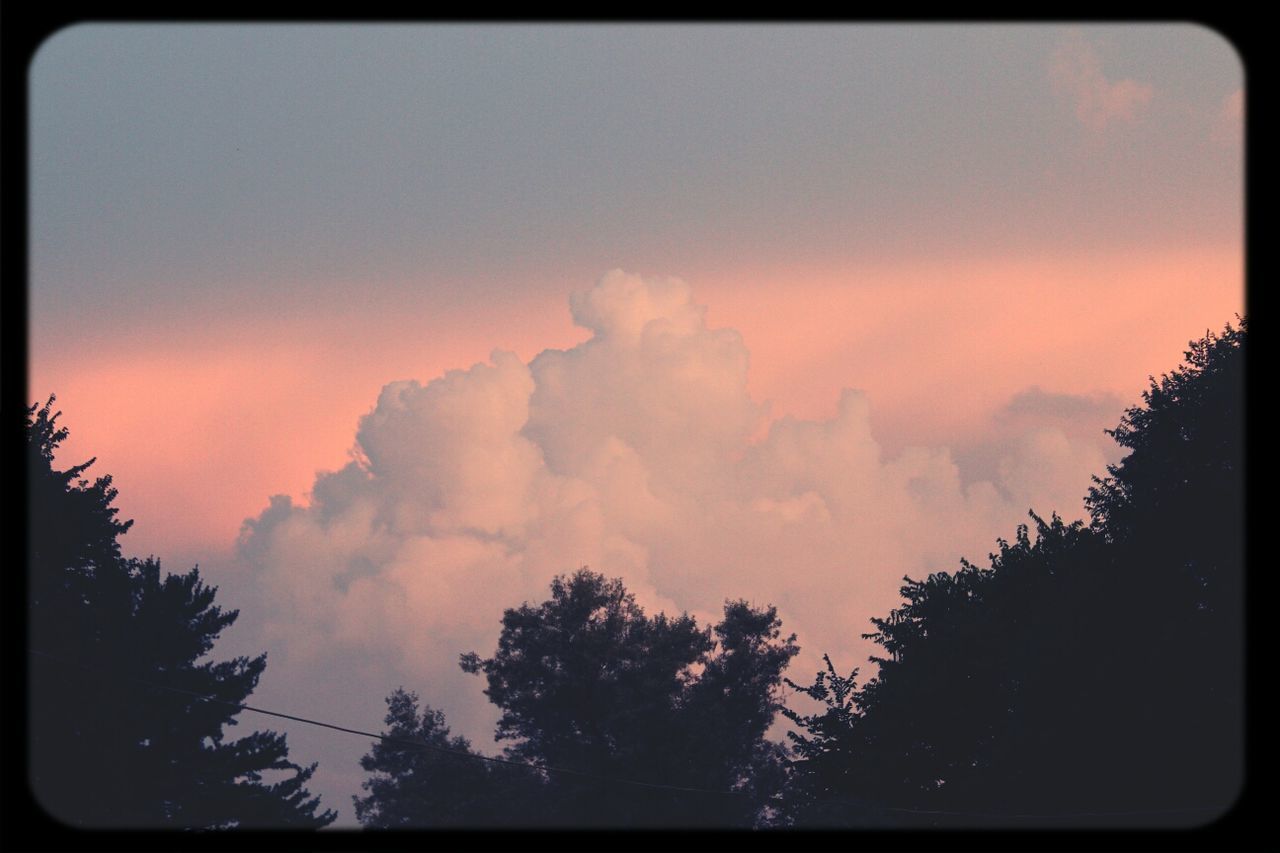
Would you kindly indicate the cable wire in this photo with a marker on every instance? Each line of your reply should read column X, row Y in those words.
column 616, row 779
column 406, row 742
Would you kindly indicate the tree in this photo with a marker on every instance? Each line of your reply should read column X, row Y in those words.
column 421, row 777
column 1173, row 512
column 119, row 733
column 588, row 683
column 977, row 704
column 1090, row 675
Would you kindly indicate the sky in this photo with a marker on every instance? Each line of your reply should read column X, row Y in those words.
column 385, row 326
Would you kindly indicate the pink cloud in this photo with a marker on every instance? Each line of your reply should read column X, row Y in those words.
column 697, row 451
column 639, row 451
column 198, row 424
column 1075, row 70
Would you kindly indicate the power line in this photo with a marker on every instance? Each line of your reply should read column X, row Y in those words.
column 618, row 779
column 403, row 741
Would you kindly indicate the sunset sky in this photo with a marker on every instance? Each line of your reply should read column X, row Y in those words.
column 384, row 326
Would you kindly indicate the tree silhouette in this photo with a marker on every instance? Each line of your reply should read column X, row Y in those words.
column 1173, row 513
column 436, row 784
column 1090, row 675
column 119, row 736
column 587, row 682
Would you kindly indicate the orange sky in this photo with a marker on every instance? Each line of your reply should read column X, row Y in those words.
column 200, row 429
column 241, row 234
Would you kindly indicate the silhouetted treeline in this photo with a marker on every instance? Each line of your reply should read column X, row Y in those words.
column 118, row 734
column 623, row 719
column 1090, row 675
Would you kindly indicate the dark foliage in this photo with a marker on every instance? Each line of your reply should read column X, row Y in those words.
column 588, row 683
column 436, row 784
column 1091, row 675
column 107, row 749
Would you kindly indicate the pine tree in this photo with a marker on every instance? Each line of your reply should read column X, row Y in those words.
column 1091, row 675
column 422, row 777
column 127, row 713
column 1173, row 512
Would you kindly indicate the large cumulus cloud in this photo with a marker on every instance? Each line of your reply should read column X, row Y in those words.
column 632, row 453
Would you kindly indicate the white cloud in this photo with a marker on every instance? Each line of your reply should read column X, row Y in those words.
column 1075, row 71
column 630, row 453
